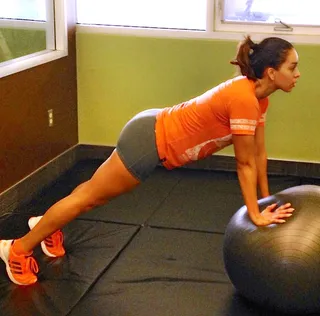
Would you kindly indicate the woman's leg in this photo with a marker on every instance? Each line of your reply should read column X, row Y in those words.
column 110, row 180
column 132, row 162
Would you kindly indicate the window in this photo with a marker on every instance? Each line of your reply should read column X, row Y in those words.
column 32, row 32
column 294, row 12
column 282, row 16
column 296, row 20
column 26, row 26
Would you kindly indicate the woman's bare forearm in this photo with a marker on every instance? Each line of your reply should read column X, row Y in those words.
column 262, row 177
column 247, row 174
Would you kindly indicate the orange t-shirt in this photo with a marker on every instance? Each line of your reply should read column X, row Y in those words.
column 195, row 129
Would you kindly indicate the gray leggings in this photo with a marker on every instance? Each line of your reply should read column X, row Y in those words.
column 136, row 145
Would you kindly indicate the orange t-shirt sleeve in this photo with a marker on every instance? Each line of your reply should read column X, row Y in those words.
column 244, row 116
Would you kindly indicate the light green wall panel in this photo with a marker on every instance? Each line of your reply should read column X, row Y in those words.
column 118, row 76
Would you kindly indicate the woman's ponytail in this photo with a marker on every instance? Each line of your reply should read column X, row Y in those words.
column 242, row 60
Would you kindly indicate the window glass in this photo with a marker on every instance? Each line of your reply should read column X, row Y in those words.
column 172, row 14
column 294, row 12
column 23, row 9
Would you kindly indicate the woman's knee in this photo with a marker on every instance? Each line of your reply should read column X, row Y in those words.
column 86, row 202
column 79, row 187
column 90, row 205
column 84, row 199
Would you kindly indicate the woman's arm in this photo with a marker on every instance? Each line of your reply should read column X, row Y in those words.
column 261, row 162
column 244, row 149
column 245, row 153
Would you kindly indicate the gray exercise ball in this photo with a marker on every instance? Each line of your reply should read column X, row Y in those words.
column 278, row 266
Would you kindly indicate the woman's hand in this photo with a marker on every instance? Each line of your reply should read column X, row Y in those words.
column 273, row 215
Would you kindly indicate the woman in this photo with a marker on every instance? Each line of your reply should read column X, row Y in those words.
column 230, row 113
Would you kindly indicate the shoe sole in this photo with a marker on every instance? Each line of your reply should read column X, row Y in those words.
column 4, row 254
column 33, row 221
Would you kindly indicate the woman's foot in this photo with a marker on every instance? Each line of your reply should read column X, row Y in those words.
column 21, row 268
column 52, row 246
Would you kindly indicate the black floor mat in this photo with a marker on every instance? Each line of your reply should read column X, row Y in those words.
column 163, row 272
column 168, row 272
column 137, row 206
column 155, row 251
column 90, row 249
column 205, row 201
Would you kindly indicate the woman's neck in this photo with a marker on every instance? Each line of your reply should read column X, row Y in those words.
column 263, row 88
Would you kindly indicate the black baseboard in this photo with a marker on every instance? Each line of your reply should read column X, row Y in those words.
column 28, row 187
column 275, row 167
column 25, row 190
column 216, row 162
column 85, row 152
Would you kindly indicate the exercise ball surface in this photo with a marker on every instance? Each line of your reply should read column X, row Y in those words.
column 278, row 266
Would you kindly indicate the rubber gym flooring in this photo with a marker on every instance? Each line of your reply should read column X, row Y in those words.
column 156, row 251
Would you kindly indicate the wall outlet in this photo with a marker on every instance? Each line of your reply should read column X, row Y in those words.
column 50, row 117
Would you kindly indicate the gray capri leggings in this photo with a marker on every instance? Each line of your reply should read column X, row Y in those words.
column 136, row 145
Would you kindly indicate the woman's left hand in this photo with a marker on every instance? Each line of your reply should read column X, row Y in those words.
column 277, row 215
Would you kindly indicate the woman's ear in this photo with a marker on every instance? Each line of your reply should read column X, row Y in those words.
column 271, row 73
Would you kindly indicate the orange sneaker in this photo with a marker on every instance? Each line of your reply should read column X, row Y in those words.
column 52, row 246
column 21, row 269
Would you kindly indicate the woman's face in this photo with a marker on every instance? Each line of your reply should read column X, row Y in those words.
column 286, row 76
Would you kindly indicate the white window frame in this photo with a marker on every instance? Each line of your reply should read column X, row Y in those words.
column 215, row 29
column 61, row 43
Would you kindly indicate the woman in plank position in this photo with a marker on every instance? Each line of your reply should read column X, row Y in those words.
column 233, row 112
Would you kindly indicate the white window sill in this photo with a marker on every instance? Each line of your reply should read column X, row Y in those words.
column 217, row 35
column 19, row 64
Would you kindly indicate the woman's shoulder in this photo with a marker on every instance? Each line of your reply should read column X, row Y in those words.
column 235, row 90
column 239, row 84
column 240, row 89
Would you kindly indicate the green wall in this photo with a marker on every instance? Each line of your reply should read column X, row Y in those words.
column 119, row 76
column 21, row 42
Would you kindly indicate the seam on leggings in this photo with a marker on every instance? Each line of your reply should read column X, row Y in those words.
column 150, row 152
column 130, row 166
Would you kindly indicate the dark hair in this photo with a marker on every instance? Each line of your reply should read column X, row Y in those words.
column 253, row 59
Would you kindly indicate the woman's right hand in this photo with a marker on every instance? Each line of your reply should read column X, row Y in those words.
column 274, row 215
